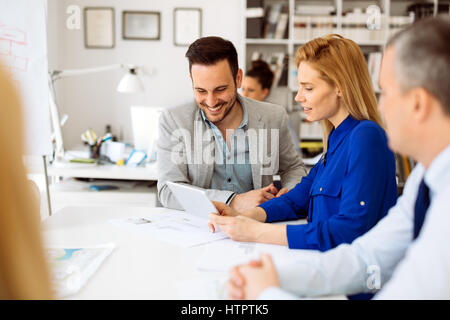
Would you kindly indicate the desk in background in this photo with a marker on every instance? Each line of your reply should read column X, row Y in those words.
column 65, row 191
column 95, row 171
column 141, row 189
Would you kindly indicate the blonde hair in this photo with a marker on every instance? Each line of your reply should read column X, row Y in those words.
column 341, row 63
column 23, row 270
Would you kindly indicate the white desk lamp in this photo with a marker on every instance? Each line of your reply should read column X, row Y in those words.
column 130, row 83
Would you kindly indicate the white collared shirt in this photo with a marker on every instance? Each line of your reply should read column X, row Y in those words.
column 386, row 257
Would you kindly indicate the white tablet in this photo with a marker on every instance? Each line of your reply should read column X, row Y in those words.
column 193, row 200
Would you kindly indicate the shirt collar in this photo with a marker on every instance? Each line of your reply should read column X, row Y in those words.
column 438, row 173
column 338, row 134
column 244, row 122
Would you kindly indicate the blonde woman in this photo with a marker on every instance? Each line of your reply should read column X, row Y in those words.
column 23, row 271
column 352, row 187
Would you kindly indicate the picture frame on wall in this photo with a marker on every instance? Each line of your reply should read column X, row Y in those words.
column 141, row 25
column 99, row 28
column 187, row 25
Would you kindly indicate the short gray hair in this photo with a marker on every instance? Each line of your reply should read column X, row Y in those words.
column 422, row 58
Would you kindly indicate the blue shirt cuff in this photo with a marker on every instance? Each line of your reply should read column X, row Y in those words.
column 276, row 210
column 296, row 236
column 270, row 211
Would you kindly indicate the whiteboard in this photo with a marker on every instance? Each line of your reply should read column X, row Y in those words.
column 23, row 50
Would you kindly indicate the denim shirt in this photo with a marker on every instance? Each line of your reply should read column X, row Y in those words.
column 232, row 168
column 345, row 194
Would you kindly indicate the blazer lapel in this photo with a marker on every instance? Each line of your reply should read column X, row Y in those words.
column 254, row 126
column 206, row 153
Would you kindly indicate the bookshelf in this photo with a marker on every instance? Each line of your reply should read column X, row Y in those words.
column 311, row 19
column 369, row 23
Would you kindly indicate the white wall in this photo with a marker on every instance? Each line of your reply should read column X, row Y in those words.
column 91, row 100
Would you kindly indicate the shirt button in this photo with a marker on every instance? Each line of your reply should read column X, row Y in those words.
column 320, row 189
column 362, row 203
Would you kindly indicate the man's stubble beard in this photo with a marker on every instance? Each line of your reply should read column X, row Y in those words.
column 227, row 111
column 233, row 105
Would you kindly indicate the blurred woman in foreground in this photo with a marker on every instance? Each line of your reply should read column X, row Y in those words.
column 23, row 270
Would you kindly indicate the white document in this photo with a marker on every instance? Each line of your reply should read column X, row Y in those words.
column 225, row 254
column 175, row 227
column 193, row 200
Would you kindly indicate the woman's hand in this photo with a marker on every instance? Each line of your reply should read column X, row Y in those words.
column 281, row 192
column 238, row 228
column 223, row 210
column 248, row 226
column 250, row 280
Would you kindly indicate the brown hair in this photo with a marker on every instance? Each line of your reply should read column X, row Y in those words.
column 210, row 50
column 341, row 63
column 23, row 270
column 261, row 71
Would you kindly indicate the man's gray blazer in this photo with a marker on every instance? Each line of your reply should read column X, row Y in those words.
column 185, row 150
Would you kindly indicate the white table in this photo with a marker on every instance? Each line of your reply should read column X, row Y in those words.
column 140, row 267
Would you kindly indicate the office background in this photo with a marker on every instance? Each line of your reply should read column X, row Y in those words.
column 91, row 100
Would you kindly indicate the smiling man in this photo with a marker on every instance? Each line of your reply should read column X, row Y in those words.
column 226, row 144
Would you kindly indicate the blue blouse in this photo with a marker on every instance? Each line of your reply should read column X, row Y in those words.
column 345, row 194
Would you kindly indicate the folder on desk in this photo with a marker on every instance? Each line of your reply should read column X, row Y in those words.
column 72, row 267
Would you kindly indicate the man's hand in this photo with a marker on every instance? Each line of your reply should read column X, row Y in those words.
column 250, row 280
column 251, row 199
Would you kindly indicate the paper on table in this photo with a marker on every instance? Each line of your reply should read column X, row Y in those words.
column 203, row 289
column 175, row 227
column 225, row 254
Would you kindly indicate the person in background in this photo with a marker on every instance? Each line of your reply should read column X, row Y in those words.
column 216, row 142
column 353, row 186
column 405, row 256
column 257, row 84
column 23, row 269
column 257, row 81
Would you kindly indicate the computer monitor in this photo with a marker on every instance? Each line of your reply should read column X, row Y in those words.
column 145, row 121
